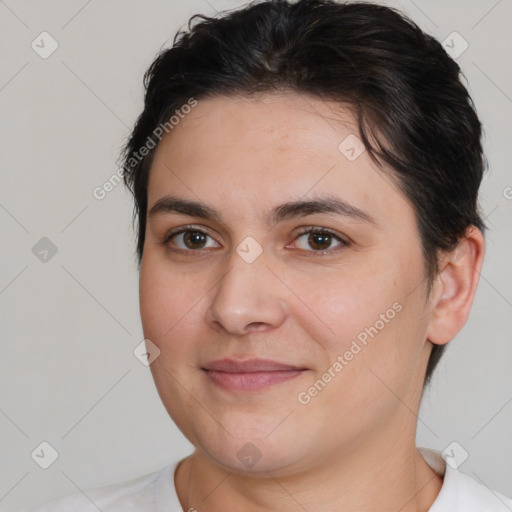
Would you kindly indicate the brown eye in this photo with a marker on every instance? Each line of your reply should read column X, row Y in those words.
column 319, row 240
column 194, row 239
column 189, row 240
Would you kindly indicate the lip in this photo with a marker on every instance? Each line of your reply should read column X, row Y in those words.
column 251, row 374
column 248, row 365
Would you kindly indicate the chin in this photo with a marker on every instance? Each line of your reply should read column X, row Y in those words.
column 253, row 455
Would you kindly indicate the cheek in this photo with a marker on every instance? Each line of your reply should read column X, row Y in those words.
column 169, row 305
column 368, row 318
column 346, row 302
column 168, row 301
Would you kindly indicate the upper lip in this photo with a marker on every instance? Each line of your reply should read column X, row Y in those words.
column 248, row 365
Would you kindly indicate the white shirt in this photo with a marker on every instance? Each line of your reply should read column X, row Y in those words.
column 155, row 492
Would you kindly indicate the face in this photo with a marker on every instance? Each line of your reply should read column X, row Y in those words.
column 333, row 291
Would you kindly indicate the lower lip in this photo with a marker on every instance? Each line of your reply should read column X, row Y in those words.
column 250, row 381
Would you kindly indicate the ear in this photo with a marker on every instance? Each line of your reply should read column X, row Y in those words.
column 455, row 287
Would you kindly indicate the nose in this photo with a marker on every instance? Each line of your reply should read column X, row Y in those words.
column 248, row 298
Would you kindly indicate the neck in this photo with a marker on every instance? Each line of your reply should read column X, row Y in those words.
column 376, row 475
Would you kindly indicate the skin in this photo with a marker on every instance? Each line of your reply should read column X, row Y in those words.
column 352, row 447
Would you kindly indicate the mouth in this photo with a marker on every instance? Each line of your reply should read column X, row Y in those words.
column 250, row 375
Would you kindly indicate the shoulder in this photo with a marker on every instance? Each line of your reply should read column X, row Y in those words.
column 468, row 494
column 461, row 492
column 134, row 495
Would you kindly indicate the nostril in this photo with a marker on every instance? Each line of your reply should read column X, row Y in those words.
column 257, row 326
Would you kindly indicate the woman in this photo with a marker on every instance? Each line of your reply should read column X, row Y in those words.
column 307, row 248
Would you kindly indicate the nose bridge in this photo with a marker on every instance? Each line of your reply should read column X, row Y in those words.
column 248, row 295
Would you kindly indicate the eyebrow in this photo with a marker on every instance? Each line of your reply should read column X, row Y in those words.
column 289, row 210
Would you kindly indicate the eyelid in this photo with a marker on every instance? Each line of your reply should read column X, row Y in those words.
column 344, row 241
column 320, row 229
column 188, row 227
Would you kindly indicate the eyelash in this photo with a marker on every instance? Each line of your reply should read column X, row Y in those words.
column 304, row 231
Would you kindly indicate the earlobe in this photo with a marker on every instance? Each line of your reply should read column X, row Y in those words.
column 455, row 287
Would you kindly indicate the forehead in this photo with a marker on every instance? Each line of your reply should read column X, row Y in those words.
column 276, row 121
column 263, row 150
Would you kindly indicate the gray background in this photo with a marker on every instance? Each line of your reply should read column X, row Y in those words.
column 69, row 325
